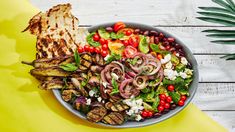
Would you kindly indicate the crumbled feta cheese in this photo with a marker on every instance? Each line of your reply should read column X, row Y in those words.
column 115, row 76
column 135, row 106
column 106, row 57
column 88, row 102
column 105, row 91
column 170, row 74
column 138, row 118
column 105, row 84
column 103, row 101
column 183, row 75
column 177, row 54
column 91, row 93
column 188, row 71
column 166, row 59
column 99, row 99
column 184, row 61
column 168, row 65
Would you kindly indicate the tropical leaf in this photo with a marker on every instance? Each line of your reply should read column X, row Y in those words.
column 218, row 15
column 224, row 4
column 229, row 57
column 219, row 31
column 232, row 42
column 221, row 35
column 217, row 20
column 216, row 9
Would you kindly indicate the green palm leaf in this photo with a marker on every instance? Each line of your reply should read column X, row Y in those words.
column 216, row 9
column 217, row 20
column 224, row 4
column 219, row 31
column 221, row 35
column 218, row 16
column 224, row 41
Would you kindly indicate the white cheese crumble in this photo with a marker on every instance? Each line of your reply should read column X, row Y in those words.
column 105, row 84
column 170, row 74
column 183, row 75
column 91, row 93
column 106, row 57
column 115, row 76
column 184, row 61
column 188, row 71
column 168, row 65
column 166, row 59
column 135, row 106
column 138, row 118
column 99, row 99
column 105, row 91
column 177, row 54
column 88, row 101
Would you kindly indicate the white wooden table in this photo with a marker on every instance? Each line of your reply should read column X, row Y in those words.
column 216, row 92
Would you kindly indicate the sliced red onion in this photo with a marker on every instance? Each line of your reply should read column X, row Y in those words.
column 131, row 74
column 140, row 82
column 155, row 66
column 126, row 90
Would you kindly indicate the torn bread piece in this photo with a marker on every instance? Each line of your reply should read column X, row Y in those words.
column 57, row 32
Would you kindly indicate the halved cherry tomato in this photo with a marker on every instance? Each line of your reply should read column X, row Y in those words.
column 128, row 32
column 104, row 53
column 91, row 49
column 105, row 47
column 97, row 50
column 96, row 37
column 86, row 48
column 80, row 49
column 130, row 51
column 125, row 42
column 134, row 41
column 119, row 25
column 103, row 41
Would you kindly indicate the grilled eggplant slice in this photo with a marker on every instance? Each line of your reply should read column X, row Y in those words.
column 98, row 59
column 85, row 62
column 114, row 118
column 78, row 85
column 117, row 107
column 56, row 84
column 67, row 95
column 96, row 114
column 51, row 71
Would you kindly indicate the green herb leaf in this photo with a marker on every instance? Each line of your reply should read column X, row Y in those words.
column 132, row 61
column 156, row 103
column 113, row 57
column 91, row 41
column 143, row 45
column 155, row 48
column 69, row 67
column 115, row 87
column 77, row 58
column 103, row 33
column 116, row 36
column 175, row 96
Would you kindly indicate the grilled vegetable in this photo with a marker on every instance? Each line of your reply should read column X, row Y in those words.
column 116, row 106
column 96, row 114
column 98, row 59
column 114, row 118
column 56, row 84
column 77, row 84
column 51, row 71
column 67, row 95
column 85, row 62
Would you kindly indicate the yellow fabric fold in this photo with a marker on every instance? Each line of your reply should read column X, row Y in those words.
column 24, row 107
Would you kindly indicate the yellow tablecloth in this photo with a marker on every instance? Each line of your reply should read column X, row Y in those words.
column 24, row 107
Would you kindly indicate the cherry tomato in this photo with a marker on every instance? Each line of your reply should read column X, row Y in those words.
column 170, row 87
column 91, row 49
column 119, row 25
column 168, row 99
column 105, row 47
column 103, row 41
column 130, row 51
column 80, row 49
column 144, row 114
column 162, row 96
column 125, row 42
column 167, row 105
column 183, row 97
column 86, row 48
column 96, row 37
column 104, row 53
column 181, row 103
column 97, row 50
column 160, row 108
column 159, row 56
column 128, row 32
column 170, row 40
column 162, row 102
column 149, row 113
column 134, row 41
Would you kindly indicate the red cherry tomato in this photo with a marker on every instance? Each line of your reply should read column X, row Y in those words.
column 144, row 114
column 160, row 108
column 104, row 53
column 130, row 51
column 105, row 47
column 168, row 99
column 162, row 102
column 119, row 25
column 149, row 113
column 170, row 87
column 167, row 105
column 96, row 37
column 125, row 42
column 181, row 103
column 91, row 49
column 80, row 49
column 103, row 41
column 86, row 48
column 162, row 96
column 183, row 97
column 97, row 50
column 134, row 41
column 128, row 32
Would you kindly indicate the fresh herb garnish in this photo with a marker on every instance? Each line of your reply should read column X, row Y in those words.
column 156, row 103
column 155, row 48
column 113, row 57
column 132, row 61
column 77, row 58
column 143, row 45
column 175, row 96
column 116, row 36
column 65, row 83
column 103, row 33
column 91, row 41
column 69, row 67
column 115, row 87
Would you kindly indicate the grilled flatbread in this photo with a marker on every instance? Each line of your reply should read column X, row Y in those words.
column 57, row 32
